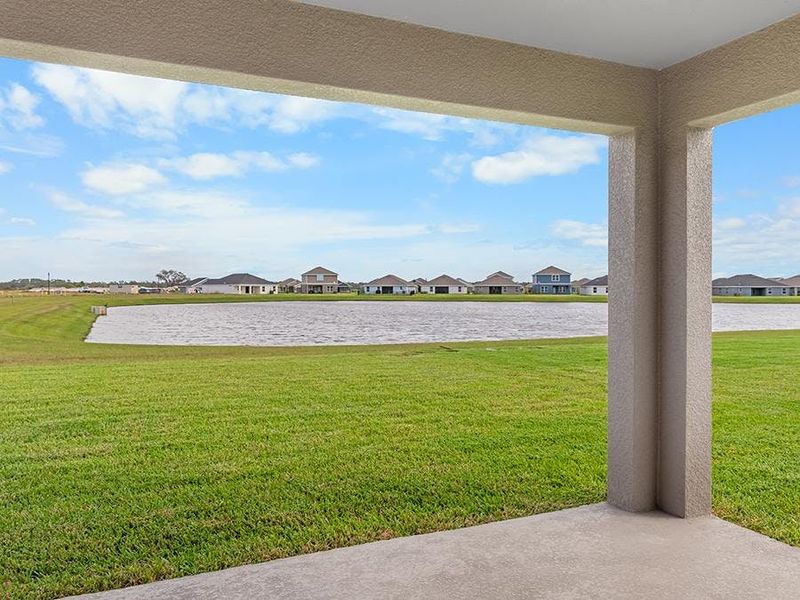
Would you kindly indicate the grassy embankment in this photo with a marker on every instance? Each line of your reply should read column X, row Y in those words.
column 122, row 464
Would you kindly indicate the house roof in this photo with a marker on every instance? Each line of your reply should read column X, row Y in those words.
column 388, row 280
column 790, row 281
column 464, row 282
column 238, row 279
column 500, row 274
column 746, row 280
column 193, row 282
column 420, row 281
column 445, row 280
column 290, row 281
column 597, row 281
column 497, row 280
column 580, row 282
column 320, row 271
column 551, row 270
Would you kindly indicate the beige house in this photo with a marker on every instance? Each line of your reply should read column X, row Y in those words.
column 498, row 283
column 444, row 284
column 319, row 280
column 123, row 288
column 575, row 286
column 290, row 286
column 655, row 78
column 390, row 284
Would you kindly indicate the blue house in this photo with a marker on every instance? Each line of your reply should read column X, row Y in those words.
column 552, row 280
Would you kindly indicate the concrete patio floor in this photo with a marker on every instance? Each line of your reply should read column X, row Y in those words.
column 593, row 551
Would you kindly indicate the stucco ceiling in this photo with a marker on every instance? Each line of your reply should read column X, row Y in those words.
column 646, row 33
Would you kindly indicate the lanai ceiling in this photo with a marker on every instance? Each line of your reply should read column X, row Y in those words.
column 646, row 33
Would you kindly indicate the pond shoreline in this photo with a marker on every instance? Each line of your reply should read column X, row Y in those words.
column 354, row 323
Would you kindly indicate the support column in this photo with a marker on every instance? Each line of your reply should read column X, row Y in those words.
column 684, row 473
column 633, row 321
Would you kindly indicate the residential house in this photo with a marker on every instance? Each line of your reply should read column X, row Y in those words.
column 552, row 280
column 576, row 284
column 595, row 287
column 420, row 283
column 289, row 286
column 793, row 283
column 444, row 284
column 123, row 288
column 498, row 283
column 390, row 284
column 319, row 280
column 192, row 286
column 749, row 285
column 470, row 286
column 237, row 283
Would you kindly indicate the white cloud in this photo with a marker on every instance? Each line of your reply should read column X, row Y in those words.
column 730, row 223
column 790, row 208
column 145, row 106
column 541, row 155
column 433, row 127
column 303, row 160
column 791, row 181
column 588, row 234
column 73, row 205
column 207, row 165
column 294, row 113
column 161, row 108
column 452, row 228
column 5, row 167
column 426, row 125
column 18, row 108
column 22, row 221
column 764, row 243
column 121, row 179
column 451, row 166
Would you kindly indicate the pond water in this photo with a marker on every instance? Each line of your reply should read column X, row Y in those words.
column 309, row 323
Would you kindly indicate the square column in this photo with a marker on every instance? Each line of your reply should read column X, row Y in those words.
column 659, row 392
column 684, row 466
column 633, row 321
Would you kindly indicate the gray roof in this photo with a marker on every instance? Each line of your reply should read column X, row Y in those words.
column 238, row 279
column 551, row 270
column 790, row 281
column 443, row 280
column 193, row 282
column 500, row 274
column 602, row 281
column 746, row 280
column 420, row 281
column 290, row 281
column 388, row 280
column 580, row 282
column 320, row 271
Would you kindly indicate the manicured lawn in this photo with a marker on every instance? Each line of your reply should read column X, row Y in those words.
column 121, row 464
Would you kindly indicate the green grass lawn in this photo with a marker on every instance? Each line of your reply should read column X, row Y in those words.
column 123, row 464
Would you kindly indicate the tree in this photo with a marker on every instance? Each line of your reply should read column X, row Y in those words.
column 170, row 277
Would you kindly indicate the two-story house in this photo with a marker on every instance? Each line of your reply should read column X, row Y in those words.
column 319, row 280
column 498, row 283
column 552, row 280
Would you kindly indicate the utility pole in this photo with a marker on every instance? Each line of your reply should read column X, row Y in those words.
column 48, row 283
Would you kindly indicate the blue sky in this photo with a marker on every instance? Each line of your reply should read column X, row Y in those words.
column 109, row 176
